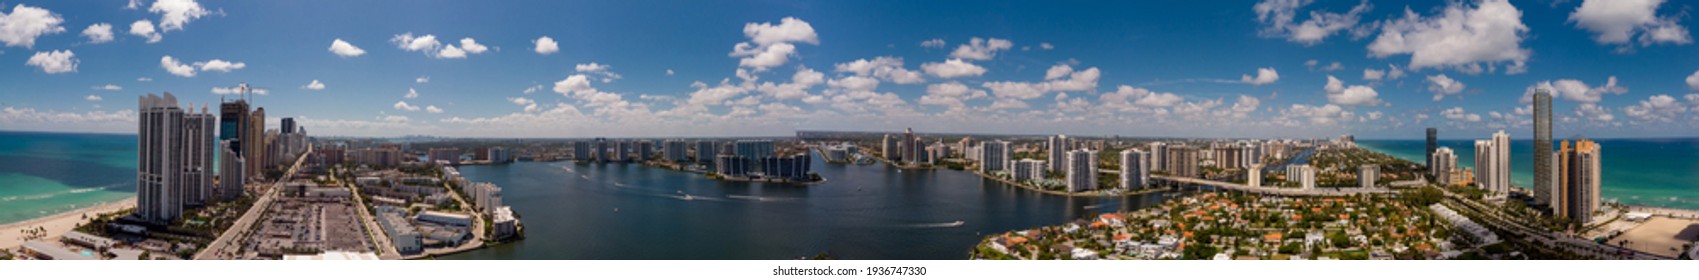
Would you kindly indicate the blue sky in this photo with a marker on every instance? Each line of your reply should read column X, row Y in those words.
column 729, row 68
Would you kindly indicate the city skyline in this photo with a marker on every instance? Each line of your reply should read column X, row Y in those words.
column 484, row 70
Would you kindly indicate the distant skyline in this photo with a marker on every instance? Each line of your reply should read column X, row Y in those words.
column 545, row 69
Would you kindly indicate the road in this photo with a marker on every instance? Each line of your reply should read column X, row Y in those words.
column 1273, row 191
column 221, row 248
column 380, row 239
column 1496, row 218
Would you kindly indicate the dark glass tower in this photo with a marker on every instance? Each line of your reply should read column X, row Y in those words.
column 1543, row 147
column 1433, row 143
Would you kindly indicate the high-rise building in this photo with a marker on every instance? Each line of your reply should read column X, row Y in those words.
column 731, row 166
column 601, row 151
column 1492, row 163
column 754, row 149
column 705, row 151
column 1253, row 175
column 1444, row 162
column 198, row 148
column 1158, row 156
column 160, row 151
column 1367, row 174
column 889, row 149
column 674, row 151
column 1082, row 170
column 450, row 155
column 911, row 146
column 787, row 167
column 994, row 156
column 1059, row 148
column 643, row 149
column 1433, row 143
column 1303, row 174
column 622, row 150
column 1028, row 169
column 1182, row 161
column 1543, row 165
column 1135, row 169
column 1579, row 176
column 230, row 171
column 287, row 125
column 581, row 150
column 255, row 144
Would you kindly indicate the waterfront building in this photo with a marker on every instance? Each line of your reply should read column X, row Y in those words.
column 503, row 224
column 1433, row 143
column 622, row 150
column 794, row 168
column 1059, row 148
column 1492, row 163
column 230, row 171
column 601, row 150
column 838, row 153
column 888, row 149
column 1158, row 156
column 674, row 151
column 754, row 149
column 402, row 234
column 199, row 144
column 994, row 156
column 1444, row 163
column 1579, row 176
column 1082, row 170
column 1029, row 169
column 1303, row 174
column 581, row 150
column 644, row 148
column 1543, row 164
column 1182, row 161
column 705, row 151
column 731, row 166
column 1367, row 174
column 160, row 154
column 1135, row 169
column 911, row 146
column 450, row 155
column 1253, row 175
column 499, row 154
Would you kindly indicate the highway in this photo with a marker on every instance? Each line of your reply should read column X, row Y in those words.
column 1272, row 191
column 1495, row 218
column 221, row 248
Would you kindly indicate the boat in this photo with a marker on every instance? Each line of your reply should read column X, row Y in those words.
column 688, row 197
column 958, row 223
column 616, row 209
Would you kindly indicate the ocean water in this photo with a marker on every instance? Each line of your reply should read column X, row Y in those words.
column 860, row 212
column 42, row 174
column 1646, row 172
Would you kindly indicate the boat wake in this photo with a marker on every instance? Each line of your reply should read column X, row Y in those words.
column 956, row 223
column 1093, row 206
column 760, row 198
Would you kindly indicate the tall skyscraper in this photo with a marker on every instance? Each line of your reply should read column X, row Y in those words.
column 1444, row 162
column 601, row 151
column 888, row 149
column 754, row 149
column 198, row 148
column 231, row 171
column 994, row 156
column 1135, row 169
column 643, row 149
column 1543, row 165
column 1059, row 148
column 622, row 150
column 1253, row 175
column 1028, row 169
column 1303, row 174
column 1082, row 170
column 674, row 151
column 1433, row 143
column 287, row 125
column 1182, row 161
column 159, row 155
column 254, row 145
column 1158, row 156
column 581, row 150
column 911, row 146
column 1579, row 177
column 1367, row 175
column 1492, row 163
column 705, row 151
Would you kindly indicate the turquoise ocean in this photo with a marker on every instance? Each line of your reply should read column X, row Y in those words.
column 42, row 174
column 1644, row 172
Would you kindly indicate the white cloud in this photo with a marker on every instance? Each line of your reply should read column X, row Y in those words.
column 1693, row 81
column 314, row 85
column 1441, row 86
column 1279, row 17
column 1370, row 74
column 109, row 87
column 408, row 42
column 598, row 69
column 411, row 94
column 1264, row 76
column 25, row 23
column 1458, row 114
column 344, row 49
column 770, row 45
column 144, row 29
column 472, row 46
column 1575, row 90
column 54, row 62
column 1058, row 78
column 1461, row 37
column 952, row 68
column 218, row 65
column 1329, row 114
column 32, row 119
column 92, row 97
column 176, row 13
column 133, row 5
column 428, row 45
column 98, row 33
column 402, row 105
column 933, row 43
column 422, row 80
column 1129, row 95
column 1338, row 93
column 451, row 51
column 981, row 49
column 433, row 109
column 1046, row 46
column 950, row 95
column 545, row 45
column 1618, row 21
column 669, row 72
column 1662, row 108
column 144, row 79
column 885, row 68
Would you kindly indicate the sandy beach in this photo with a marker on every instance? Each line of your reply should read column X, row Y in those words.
column 57, row 224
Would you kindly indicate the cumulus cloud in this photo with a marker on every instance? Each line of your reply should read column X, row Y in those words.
column 402, row 105
column 433, row 109
column 1279, row 19
column 934, row 43
column 1441, row 86
column 545, row 45
column 238, row 90
column 1467, row 37
column 176, row 13
column 1058, row 78
column 175, row 67
column 1356, row 95
column 1458, row 114
column 218, row 65
column 1046, row 46
column 1693, row 81
column 20, row 27
column 92, row 97
column 430, row 46
column 1371, row 74
column 952, row 68
column 770, row 45
column 1129, row 95
column 1618, row 21
column 314, row 85
column 422, row 80
column 98, row 33
column 950, row 95
column 344, row 49
column 1264, row 76
column 981, row 49
column 144, row 29
column 1329, row 114
column 884, row 68
column 109, row 87
column 54, row 62
column 1661, row 108
column 1575, row 90
column 598, row 69
column 411, row 94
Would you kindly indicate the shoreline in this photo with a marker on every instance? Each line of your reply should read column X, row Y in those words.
column 1144, row 191
column 58, row 224
column 1663, row 210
